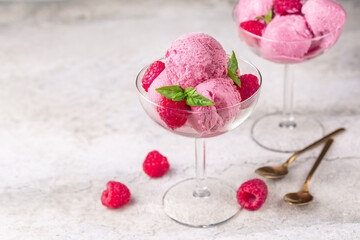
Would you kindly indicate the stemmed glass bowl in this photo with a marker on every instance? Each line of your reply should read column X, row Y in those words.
column 201, row 201
column 286, row 131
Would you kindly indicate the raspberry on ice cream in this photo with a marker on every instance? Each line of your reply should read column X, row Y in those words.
column 224, row 93
column 325, row 17
column 115, row 195
column 287, row 6
column 252, row 194
column 167, row 112
column 155, row 164
column 171, row 112
column 288, row 37
column 249, row 85
column 151, row 73
column 254, row 26
column 194, row 58
column 250, row 9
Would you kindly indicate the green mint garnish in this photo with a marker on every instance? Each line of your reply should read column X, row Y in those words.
column 233, row 63
column 232, row 69
column 176, row 93
column 267, row 17
column 196, row 99
column 236, row 78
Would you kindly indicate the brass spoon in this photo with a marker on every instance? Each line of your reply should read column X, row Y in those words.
column 303, row 197
column 281, row 171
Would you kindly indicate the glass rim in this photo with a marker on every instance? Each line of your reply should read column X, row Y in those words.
column 140, row 91
column 235, row 19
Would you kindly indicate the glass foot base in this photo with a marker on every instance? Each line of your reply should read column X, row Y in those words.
column 272, row 133
column 182, row 205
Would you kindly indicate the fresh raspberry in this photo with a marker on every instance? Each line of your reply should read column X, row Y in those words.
column 282, row 7
column 151, row 73
column 254, row 26
column 115, row 195
column 170, row 115
column 155, row 164
column 252, row 194
column 249, row 85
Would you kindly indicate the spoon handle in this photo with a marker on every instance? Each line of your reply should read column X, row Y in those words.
column 315, row 144
column 316, row 164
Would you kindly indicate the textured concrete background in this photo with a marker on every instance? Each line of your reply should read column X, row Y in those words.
column 70, row 121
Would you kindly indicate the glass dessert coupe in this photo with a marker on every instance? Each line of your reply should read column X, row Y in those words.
column 202, row 201
column 286, row 131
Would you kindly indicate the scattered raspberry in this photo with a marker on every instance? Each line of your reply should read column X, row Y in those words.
column 115, row 195
column 282, row 7
column 151, row 73
column 170, row 115
column 252, row 194
column 249, row 85
column 254, row 26
column 155, row 164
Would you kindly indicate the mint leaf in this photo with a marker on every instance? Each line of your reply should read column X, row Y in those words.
column 190, row 91
column 195, row 99
column 233, row 63
column 267, row 17
column 236, row 78
column 173, row 92
column 199, row 100
column 176, row 93
column 232, row 69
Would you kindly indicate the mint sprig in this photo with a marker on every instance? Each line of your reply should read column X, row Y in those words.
column 267, row 17
column 176, row 93
column 232, row 68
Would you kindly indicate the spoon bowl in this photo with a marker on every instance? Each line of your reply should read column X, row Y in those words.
column 272, row 171
column 298, row 198
column 303, row 197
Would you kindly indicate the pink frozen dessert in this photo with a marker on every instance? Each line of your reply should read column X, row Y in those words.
column 160, row 81
column 291, row 31
column 199, row 87
column 223, row 92
column 289, row 38
column 195, row 58
column 247, row 10
column 325, row 17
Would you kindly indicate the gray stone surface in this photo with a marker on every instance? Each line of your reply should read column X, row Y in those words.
column 70, row 121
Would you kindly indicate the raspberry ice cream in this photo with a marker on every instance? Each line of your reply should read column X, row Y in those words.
column 289, row 31
column 250, row 9
column 160, row 81
column 224, row 93
column 325, row 17
column 198, row 91
column 195, row 58
column 288, row 37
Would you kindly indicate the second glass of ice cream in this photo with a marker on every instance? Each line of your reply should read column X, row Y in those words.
column 288, row 32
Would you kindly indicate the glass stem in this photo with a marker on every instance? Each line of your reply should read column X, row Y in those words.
column 201, row 189
column 288, row 116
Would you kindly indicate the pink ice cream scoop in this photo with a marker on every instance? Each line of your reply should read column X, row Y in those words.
column 250, row 9
column 325, row 17
column 286, row 38
column 223, row 92
column 195, row 58
column 160, row 81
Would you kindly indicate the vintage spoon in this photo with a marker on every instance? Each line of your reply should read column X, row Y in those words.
column 281, row 171
column 303, row 197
